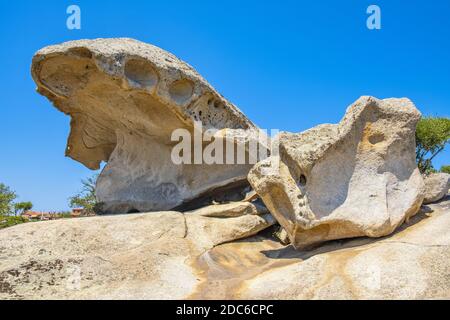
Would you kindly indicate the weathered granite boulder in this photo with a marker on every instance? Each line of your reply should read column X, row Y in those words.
column 125, row 99
column 356, row 178
column 436, row 186
column 169, row 255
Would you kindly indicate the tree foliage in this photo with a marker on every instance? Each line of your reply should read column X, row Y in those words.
column 7, row 197
column 8, row 207
column 21, row 207
column 432, row 135
column 86, row 199
column 445, row 169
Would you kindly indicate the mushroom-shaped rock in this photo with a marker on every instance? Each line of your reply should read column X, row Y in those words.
column 126, row 98
column 356, row 178
column 436, row 186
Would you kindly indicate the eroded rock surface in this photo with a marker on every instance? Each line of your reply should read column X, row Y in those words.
column 413, row 263
column 356, row 178
column 232, row 209
column 436, row 187
column 135, row 256
column 169, row 255
column 125, row 98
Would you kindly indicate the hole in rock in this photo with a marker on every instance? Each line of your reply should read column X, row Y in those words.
column 376, row 138
column 81, row 52
column 302, row 180
column 235, row 191
column 140, row 73
column 181, row 91
column 218, row 104
column 65, row 74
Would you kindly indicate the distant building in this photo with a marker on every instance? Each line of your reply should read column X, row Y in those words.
column 77, row 212
column 37, row 215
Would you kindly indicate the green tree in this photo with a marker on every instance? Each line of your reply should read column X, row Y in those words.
column 445, row 169
column 432, row 135
column 7, row 196
column 21, row 207
column 86, row 198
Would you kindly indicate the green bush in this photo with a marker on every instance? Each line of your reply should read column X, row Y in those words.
column 445, row 169
column 9, row 221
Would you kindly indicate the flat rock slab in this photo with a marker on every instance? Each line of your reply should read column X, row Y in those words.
column 163, row 256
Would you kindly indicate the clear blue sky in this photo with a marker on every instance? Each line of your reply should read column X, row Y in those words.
column 287, row 64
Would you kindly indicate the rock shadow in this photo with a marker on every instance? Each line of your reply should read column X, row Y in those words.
column 289, row 252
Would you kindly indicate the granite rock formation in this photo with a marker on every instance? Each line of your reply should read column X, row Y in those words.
column 170, row 255
column 356, row 178
column 125, row 99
